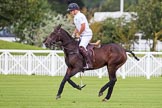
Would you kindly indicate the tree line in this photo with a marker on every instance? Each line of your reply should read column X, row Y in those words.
column 32, row 20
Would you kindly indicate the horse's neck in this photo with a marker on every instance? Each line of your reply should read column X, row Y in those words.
column 67, row 39
column 71, row 48
column 69, row 44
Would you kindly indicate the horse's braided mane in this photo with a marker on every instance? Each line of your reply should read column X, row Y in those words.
column 67, row 33
column 71, row 38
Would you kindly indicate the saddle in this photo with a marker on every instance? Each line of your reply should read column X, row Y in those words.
column 90, row 49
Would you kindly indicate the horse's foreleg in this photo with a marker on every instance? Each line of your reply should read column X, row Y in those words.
column 66, row 77
column 72, row 83
column 69, row 73
column 61, row 87
column 75, row 85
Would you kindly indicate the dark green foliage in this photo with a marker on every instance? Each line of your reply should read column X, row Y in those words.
column 60, row 6
column 115, row 31
column 150, row 19
column 114, row 5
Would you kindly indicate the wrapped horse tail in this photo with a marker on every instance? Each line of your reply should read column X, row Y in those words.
column 132, row 54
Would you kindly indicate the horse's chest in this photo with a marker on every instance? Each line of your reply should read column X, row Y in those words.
column 72, row 60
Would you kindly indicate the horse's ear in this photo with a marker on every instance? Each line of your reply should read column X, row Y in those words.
column 59, row 26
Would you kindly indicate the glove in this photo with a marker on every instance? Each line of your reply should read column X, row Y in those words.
column 77, row 35
column 73, row 35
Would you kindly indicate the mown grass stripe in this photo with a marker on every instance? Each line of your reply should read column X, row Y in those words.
column 18, row 91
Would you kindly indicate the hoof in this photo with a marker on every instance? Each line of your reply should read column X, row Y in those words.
column 80, row 87
column 100, row 94
column 58, row 97
column 83, row 86
column 104, row 100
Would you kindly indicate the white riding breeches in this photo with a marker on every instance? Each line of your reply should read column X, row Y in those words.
column 85, row 40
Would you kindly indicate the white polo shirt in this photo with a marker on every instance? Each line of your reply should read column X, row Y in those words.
column 79, row 19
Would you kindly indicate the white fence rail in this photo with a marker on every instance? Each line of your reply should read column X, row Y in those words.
column 47, row 62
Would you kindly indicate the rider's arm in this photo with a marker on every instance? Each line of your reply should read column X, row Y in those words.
column 81, row 29
column 75, row 32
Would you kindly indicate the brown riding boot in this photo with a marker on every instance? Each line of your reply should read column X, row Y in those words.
column 87, row 58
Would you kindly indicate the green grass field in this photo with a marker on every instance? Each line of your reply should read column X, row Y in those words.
column 18, row 91
column 15, row 45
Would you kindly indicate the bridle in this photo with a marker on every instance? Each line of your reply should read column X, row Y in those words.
column 63, row 45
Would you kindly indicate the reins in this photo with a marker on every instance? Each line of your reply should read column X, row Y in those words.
column 63, row 45
column 71, row 51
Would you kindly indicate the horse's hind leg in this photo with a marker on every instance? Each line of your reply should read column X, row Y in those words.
column 110, row 84
column 110, row 90
column 112, row 76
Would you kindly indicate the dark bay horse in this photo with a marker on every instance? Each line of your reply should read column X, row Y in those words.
column 111, row 55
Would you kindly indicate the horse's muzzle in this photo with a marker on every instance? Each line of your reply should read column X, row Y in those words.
column 46, row 44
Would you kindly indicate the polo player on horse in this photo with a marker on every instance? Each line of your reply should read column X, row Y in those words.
column 81, row 31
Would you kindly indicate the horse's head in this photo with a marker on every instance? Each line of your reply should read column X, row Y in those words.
column 54, row 37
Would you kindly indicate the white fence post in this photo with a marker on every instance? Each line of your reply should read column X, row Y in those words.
column 123, row 72
column 148, row 66
column 53, row 63
column 29, row 62
column 6, row 60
